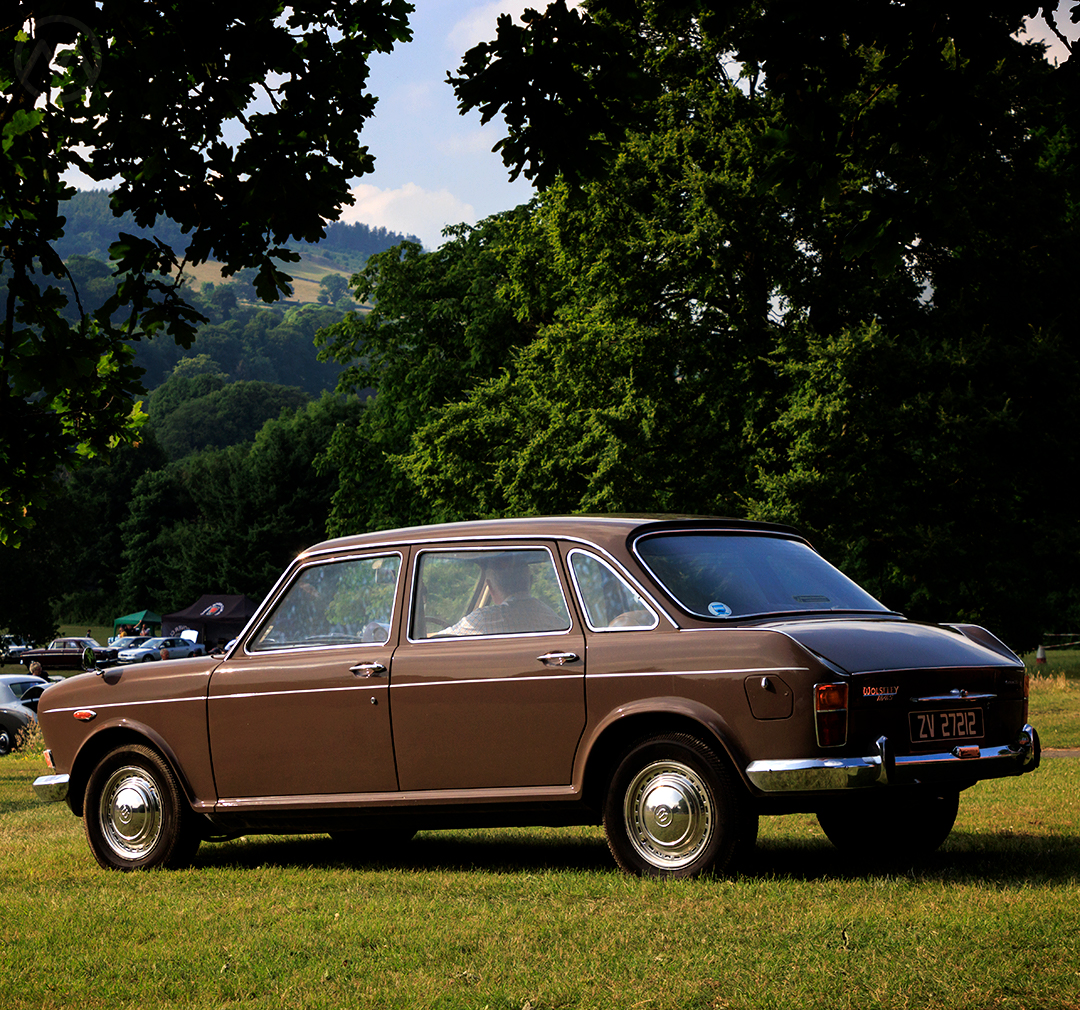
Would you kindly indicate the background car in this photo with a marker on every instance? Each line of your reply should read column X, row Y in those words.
column 69, row 654
column 19, row 695
column 128, row 642
column 11, row 648
column 150, row 650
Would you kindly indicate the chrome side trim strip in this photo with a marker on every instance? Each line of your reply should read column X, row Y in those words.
column 697, row 673
column 135, row 703
column 403, row 800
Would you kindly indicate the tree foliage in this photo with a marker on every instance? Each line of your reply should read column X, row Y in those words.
column 806, row 265
column 147, row 95
column 438, row 325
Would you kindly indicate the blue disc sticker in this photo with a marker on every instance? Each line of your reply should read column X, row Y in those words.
column 719, row 610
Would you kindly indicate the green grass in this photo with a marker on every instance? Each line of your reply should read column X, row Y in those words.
column 540, row 919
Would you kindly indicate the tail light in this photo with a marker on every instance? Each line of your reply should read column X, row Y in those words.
column 830, row 708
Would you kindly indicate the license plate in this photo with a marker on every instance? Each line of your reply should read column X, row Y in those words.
column 955, row 724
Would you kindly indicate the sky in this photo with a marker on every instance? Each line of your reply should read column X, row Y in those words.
column 433, row 167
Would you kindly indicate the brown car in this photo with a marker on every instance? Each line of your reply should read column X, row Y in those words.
column 673, row 678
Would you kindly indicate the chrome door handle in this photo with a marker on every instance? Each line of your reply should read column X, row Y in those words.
column 558, row 658
column 368, row 669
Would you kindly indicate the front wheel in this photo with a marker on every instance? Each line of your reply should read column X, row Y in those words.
column 907, row 824
column 672, row 810
column 134, row 814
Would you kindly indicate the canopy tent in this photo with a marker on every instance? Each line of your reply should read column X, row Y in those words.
column 216, row 618
column 139, row 617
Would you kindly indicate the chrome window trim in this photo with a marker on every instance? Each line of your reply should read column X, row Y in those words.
column 622, row 578
column 444, row 548
column 561, row 538
column 282, row 586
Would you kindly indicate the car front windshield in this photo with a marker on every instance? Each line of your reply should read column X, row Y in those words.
column 722, row 574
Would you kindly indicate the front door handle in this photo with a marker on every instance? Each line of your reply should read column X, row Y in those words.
column 558, row 658
column 368, row 670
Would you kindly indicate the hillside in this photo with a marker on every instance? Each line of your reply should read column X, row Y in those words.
column 91, row 227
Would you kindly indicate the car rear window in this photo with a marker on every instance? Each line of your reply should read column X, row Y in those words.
column 738, row 575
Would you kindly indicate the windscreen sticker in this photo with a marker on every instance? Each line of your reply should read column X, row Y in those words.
column 719, row 610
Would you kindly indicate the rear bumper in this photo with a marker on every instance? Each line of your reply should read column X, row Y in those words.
column 884, row 768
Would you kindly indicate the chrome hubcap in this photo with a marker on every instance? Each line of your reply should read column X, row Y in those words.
column 130, row 812
column 669, row 814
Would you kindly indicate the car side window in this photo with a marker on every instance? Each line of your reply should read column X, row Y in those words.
column 487, row 592
column 348, row 602
column 606, row 597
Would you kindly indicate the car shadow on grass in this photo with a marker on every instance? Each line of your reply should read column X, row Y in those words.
column 491, row 852
column 1004, row 858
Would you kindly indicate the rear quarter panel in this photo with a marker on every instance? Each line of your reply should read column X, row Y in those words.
column 702, row 676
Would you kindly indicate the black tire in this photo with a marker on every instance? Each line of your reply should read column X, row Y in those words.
column 908, row 824
column 7, row 741
column 672, row 810
column 134, row 814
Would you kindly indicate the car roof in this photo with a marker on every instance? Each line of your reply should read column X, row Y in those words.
column 18, row 678
column 598, row 528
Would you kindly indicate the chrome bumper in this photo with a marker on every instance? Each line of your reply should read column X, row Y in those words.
column 51, row 788
column 821, row 774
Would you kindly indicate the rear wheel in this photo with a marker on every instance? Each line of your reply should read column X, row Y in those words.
column 7, row 741
column 909, row 824
column 672, row 810
column 134, row 813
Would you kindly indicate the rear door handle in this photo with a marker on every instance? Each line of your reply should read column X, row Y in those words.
column 558, row 658
column 368, row 670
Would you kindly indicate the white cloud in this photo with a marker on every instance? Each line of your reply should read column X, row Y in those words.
column 480, row 23
column 409, row 210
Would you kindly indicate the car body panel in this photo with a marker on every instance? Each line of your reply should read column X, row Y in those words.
column 282, row 725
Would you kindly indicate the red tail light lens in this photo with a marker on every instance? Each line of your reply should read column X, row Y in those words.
column 830, row 707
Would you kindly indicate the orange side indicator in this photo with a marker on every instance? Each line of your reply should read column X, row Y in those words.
column 85, row 714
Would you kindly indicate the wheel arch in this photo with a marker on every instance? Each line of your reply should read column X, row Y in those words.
column 624, row 727
column 107, row 739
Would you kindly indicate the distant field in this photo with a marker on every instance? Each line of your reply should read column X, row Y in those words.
column 306, row 276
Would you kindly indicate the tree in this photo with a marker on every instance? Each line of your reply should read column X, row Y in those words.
column 803, row 275
column 438, row 325
column 332, row 287
column 145, row 95
column 230, row 520
column 229, row 415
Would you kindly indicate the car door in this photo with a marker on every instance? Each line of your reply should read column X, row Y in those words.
column 301, row 706
column 487, row 692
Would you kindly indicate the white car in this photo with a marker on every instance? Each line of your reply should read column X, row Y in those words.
column 175, row 648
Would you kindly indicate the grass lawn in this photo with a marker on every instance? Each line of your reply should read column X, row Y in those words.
column 539, row 918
